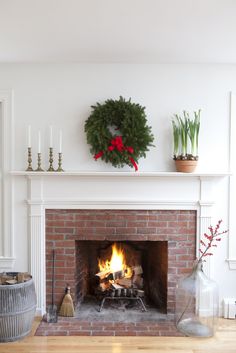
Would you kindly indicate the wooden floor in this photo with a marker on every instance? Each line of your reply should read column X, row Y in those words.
column 223, row 342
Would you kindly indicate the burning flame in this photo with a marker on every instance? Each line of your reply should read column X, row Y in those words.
column 116, row 263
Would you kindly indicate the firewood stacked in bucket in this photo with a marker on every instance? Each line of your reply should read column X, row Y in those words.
column 10, row 278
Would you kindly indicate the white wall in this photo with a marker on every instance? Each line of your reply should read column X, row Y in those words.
column 61, row 95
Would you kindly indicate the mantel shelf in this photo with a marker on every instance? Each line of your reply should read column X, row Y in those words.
column 120, row 174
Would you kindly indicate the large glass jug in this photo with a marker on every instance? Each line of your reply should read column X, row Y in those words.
column 197, row 304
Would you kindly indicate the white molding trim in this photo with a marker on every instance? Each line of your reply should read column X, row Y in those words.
column 120, row 174
column 115, row 204
column 232, row 263
column 6, row 202
column 232, row 187
column 6, row 263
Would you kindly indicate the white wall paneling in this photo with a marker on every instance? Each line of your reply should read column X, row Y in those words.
column 6, row 160
column 232, row 188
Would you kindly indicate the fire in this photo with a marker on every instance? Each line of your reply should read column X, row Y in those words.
column 116, row 263
column 120, row 272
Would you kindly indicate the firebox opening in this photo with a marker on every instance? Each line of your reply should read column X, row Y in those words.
column 144, row 271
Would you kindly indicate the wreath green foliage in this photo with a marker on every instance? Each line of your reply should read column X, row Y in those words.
column 118, row 118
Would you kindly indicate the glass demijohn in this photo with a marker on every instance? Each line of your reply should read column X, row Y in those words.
column 197, row 304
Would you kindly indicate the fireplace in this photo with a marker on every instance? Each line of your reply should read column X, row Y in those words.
column 132, row 271
column 61, row 205
column 160, row 242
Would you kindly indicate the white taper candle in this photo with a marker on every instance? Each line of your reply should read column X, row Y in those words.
column 60, row 141
column 39, row 141
column 51, row 143
column 29, row 136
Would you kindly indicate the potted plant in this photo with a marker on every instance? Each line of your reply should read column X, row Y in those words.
column 185, row 135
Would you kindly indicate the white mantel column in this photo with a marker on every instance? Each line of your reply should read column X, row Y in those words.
column 205, row 216
column 37, row 239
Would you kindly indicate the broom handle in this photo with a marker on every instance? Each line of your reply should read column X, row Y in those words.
column 53, row 274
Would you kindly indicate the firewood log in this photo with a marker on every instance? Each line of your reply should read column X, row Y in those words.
column 139, row 293
column 137, row 281
column 116, row 275
column 103, row 286
column 125, row 282
column 137, row 270
column 14, row 277
column 20, row 277
column 102, row 274
column 116, row 286
column 11, row 281
column 5, row 278
column 110, row 275
column 26, row 275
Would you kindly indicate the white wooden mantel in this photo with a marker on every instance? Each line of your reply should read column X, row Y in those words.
column 121, row 174
column 111, row 190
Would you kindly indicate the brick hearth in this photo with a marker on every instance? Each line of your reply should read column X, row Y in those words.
column 75, row 327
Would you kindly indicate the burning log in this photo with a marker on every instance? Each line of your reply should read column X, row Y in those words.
column 116, row 286
column 139, row 293
column 118, row 280
column 137, row 281
column 110, row 275
column 117, row 277
column 125, row 282
column 102, row 275
column 137, row 270
column 103, row 286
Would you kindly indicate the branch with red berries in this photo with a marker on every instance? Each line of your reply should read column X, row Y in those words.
column 210, row 241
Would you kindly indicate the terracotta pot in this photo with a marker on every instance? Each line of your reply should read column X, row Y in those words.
column 185, row 166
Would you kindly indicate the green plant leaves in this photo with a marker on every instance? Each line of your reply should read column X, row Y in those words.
column 185, row 132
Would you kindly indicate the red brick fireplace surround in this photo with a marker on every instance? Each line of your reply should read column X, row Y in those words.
column 65, row 229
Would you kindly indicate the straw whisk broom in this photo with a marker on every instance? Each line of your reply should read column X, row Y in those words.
column 67, row 306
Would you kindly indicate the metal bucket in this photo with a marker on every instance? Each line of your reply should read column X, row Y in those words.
column 17, row 310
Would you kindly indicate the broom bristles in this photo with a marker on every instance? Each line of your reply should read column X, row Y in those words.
column 67, row 306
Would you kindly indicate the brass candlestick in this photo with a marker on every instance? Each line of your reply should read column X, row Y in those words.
column 51, row 169
column 39, row 169
column 29, row 169
column 59, row 169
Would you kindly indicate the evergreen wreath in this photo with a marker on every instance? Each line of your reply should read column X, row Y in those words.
column 118, row 132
